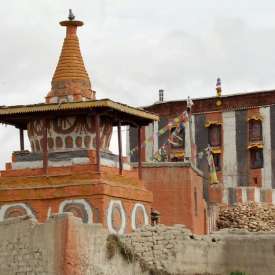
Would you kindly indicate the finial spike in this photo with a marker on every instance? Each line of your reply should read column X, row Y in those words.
column 218, row 92
column 218, row 82
column 71, row 16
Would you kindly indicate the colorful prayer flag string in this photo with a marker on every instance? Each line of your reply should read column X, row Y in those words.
column 181, row 119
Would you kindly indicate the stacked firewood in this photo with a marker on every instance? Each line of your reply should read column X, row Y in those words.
column 250, row 216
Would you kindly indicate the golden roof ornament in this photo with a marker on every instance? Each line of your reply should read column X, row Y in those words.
column 218, row 92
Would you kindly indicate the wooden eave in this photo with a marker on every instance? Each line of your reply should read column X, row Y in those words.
column 18, row 116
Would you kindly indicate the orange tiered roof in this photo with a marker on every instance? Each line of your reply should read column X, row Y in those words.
column 70, row 81
column 70, row 64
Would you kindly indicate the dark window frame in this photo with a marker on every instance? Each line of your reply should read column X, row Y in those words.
column 211, row 134
column 256, row 158
column 255, row 130
column 217, row 161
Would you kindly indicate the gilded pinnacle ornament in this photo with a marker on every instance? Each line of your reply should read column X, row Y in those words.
column 219, row 92
column 219, row 87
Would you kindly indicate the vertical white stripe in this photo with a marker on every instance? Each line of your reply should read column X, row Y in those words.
column 257, row 195
column 128, row 141
column 273, row 196
column 229, row 146
column 266, row 171
column 156, row 137
column 193, row 133
column 225, row 196
column 187, row 141
column 244, row 194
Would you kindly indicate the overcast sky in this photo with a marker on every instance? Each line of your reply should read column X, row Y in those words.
column 132, row 48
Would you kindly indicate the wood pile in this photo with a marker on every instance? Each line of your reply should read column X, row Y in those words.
column 251, row 216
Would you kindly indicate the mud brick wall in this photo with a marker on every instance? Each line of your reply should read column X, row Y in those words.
column 26, row 248
column 175, row 250
column 64, row 245
column 61, row 246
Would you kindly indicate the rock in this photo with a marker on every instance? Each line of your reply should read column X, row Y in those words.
column 251, row 216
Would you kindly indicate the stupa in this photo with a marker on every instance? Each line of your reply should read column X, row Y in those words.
column 70, row 167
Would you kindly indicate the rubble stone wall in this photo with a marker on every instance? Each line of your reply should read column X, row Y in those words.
column 61, row 246
column 175, row 250
column 64, row 245
column 27, row 248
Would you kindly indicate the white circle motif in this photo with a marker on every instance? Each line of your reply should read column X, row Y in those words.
column 134, row 213
column 112, row 205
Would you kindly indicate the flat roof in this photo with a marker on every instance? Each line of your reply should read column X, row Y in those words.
column 238, row 101
column 212, row 97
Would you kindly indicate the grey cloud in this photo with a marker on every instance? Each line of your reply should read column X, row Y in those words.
column 133, row 48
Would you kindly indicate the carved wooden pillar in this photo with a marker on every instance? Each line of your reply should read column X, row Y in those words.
column 139, row 153
column 45, row 145
column 22, row 145
column 97, row 137
column 119, row 147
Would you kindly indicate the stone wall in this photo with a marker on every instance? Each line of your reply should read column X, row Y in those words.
column 64, row 245
column 27, row 248
column 61, row 246
column 175, row 250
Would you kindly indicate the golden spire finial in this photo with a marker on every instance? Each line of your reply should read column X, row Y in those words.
column 219, row 87
column 219, row 92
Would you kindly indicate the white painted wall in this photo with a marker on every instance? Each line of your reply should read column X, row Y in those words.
column 266, row 171
column 244, row 194
column 114, row 141
column 193, row 134
column 273, row 196
column 127, row 140
column 187, row 140
column 230, row 154
column 257, row 194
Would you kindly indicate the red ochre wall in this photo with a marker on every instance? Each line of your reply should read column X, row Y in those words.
column 99, row 206
column 173, row 189
column 47, row 200
column 43, row 195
